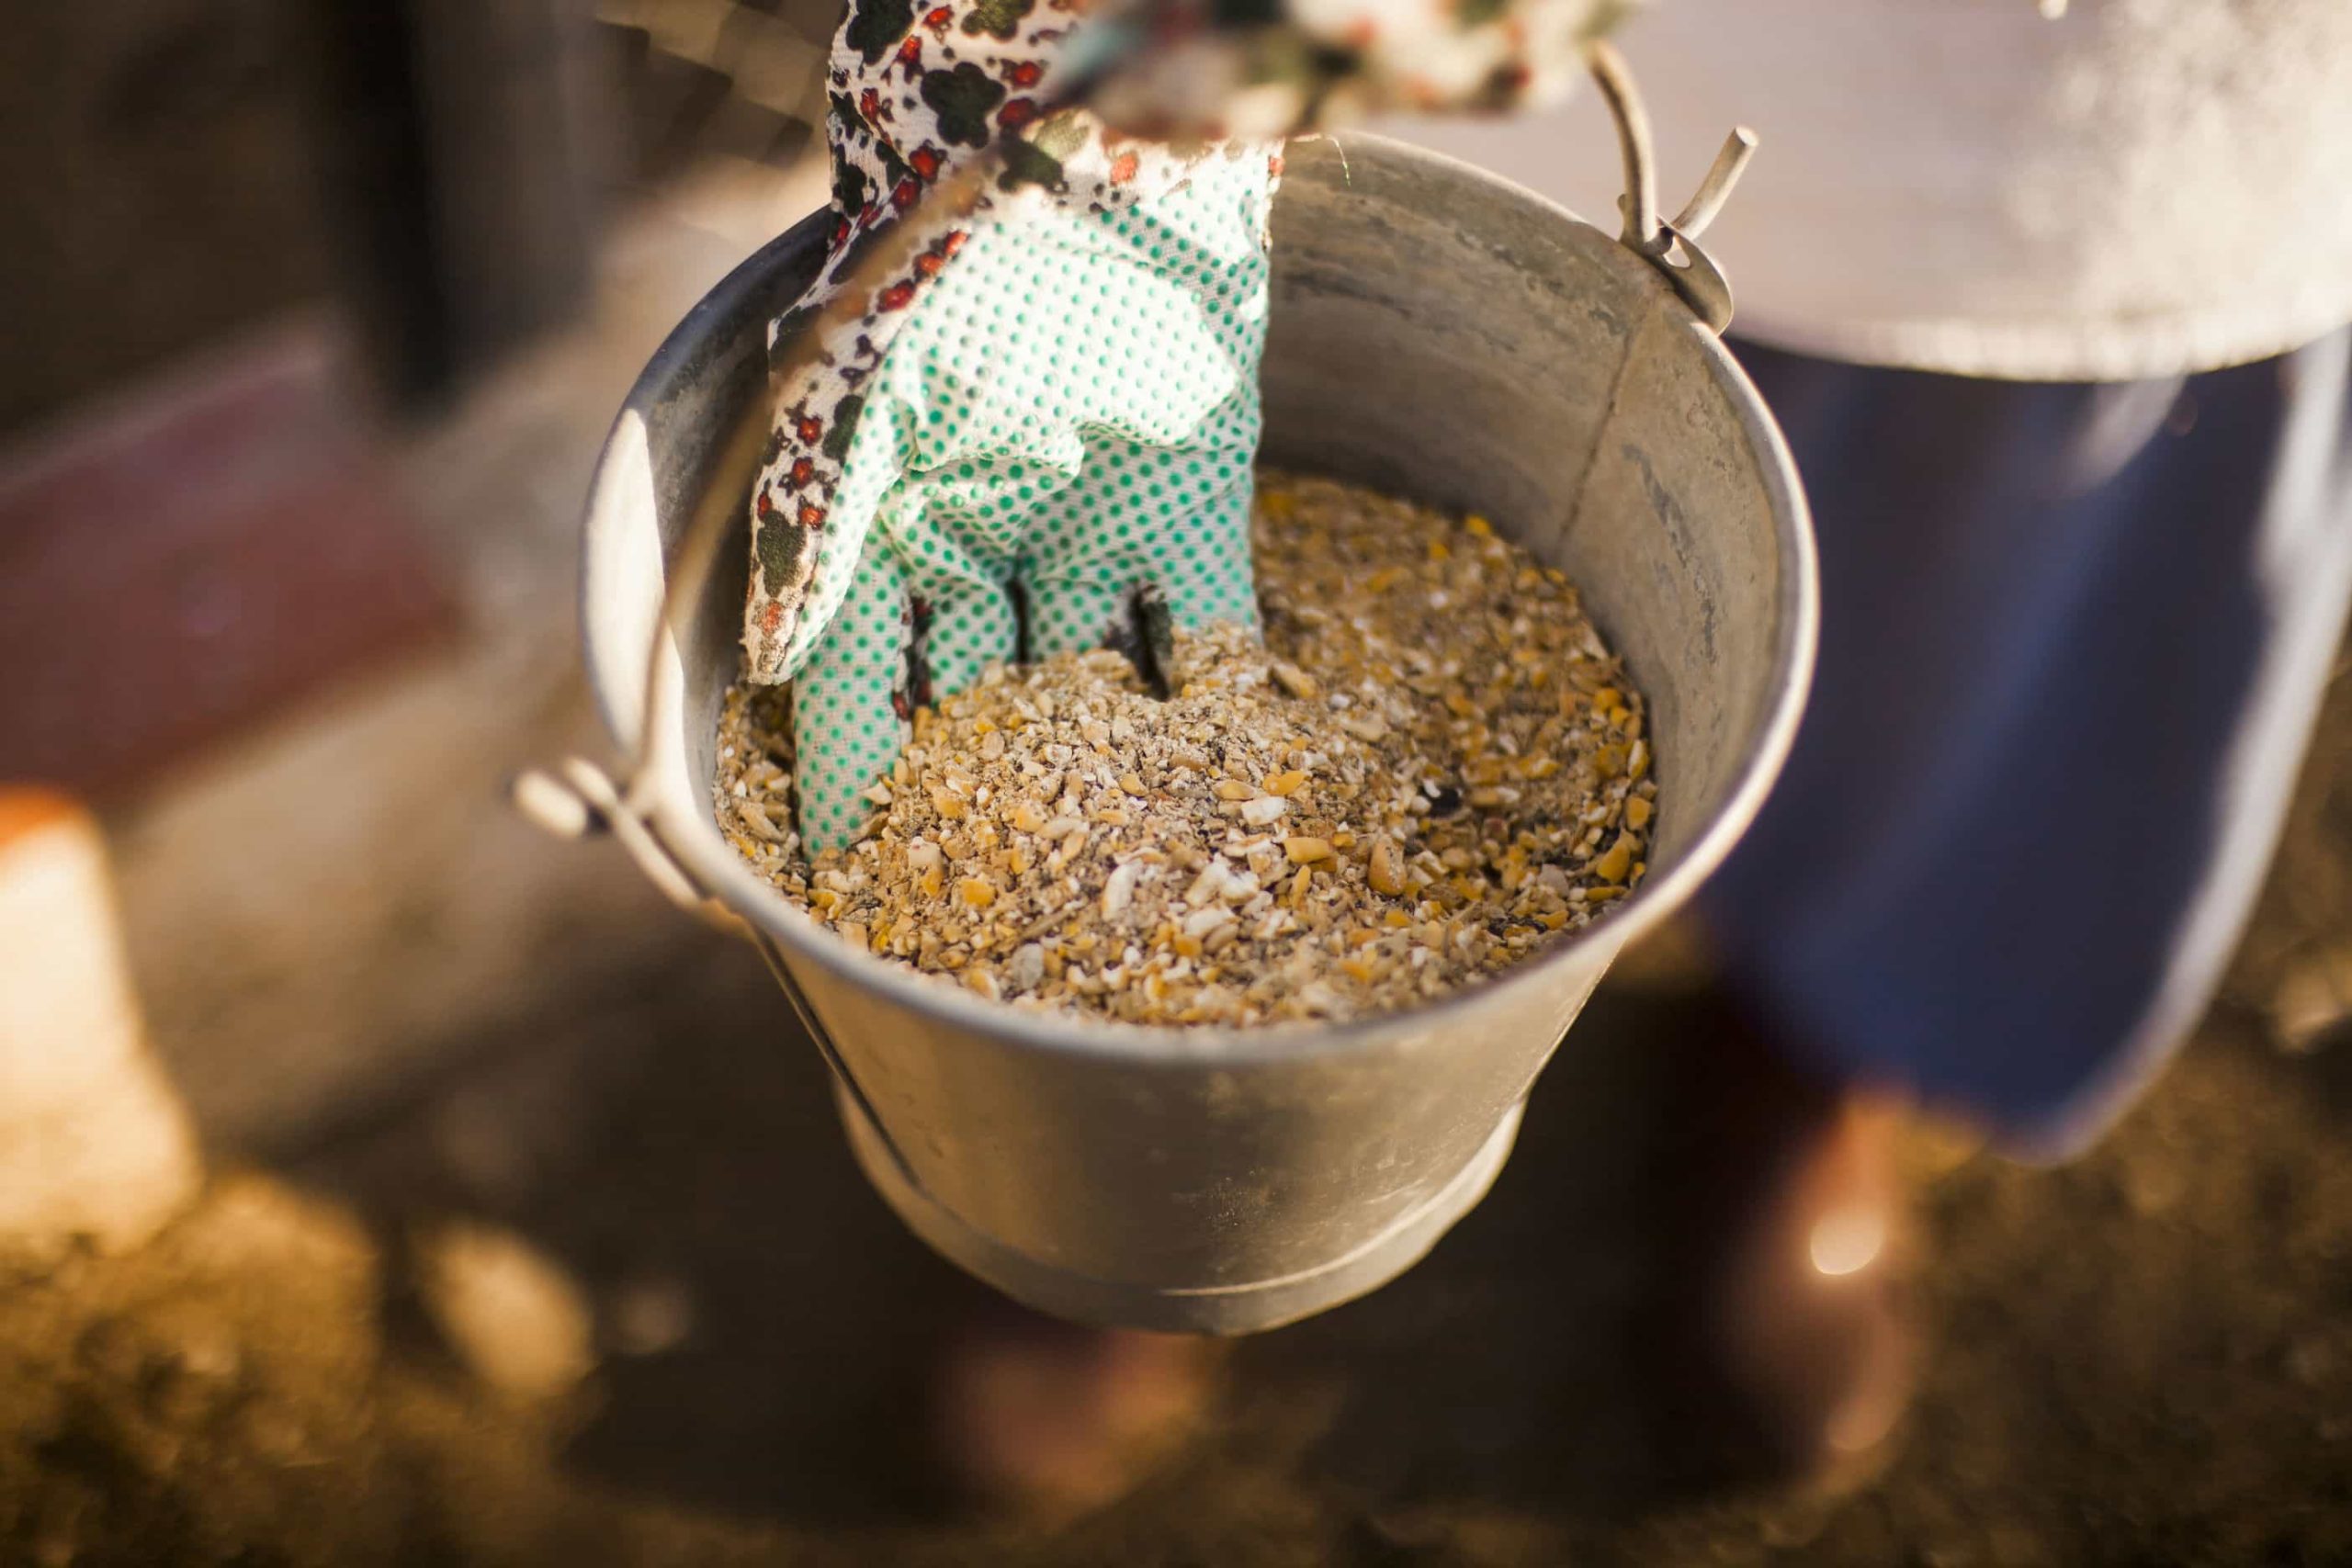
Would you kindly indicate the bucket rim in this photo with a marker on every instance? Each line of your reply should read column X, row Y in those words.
column 683, row 826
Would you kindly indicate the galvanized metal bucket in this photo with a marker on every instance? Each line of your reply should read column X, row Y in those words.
column 1436, row 334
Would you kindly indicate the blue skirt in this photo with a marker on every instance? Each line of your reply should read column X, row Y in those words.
column 2074, row 641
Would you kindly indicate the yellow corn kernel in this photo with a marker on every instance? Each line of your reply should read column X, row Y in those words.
column 1616, row 860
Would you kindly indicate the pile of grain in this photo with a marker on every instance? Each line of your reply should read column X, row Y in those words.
column 1430, row 769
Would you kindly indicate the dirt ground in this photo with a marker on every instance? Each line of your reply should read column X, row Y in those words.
column 598, row 1282
column 2144, row 1357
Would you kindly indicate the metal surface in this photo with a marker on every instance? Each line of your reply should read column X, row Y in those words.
column 1671, row 247
column 1438, row 334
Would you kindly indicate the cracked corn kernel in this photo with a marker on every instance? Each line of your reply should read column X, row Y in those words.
column 1264, row 811
column 1295, row 682
column 1453, row 754
column 1616, row 861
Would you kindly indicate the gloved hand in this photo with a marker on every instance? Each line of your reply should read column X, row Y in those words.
column 1027, row 372
column 1072, row 414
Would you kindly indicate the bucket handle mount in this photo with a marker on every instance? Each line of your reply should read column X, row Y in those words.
column 1669, row 245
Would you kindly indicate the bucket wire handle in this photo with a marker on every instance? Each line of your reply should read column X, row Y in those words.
column 1694, row 276
column 578, row 798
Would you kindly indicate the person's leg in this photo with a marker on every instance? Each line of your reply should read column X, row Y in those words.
column 1773, row 1340
column 2073, row 639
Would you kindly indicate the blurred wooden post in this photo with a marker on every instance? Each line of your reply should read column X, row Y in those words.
column 94, row 1145
column 466, row 143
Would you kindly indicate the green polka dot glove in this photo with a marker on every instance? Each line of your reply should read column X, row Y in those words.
column 1072, row 414
column 1023, row 385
